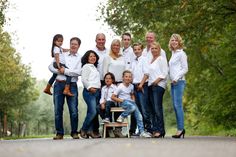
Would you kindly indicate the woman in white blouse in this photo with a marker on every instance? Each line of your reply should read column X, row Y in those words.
column 115, row 62
column 158, row 71
column 91, row 93
column 178, row 68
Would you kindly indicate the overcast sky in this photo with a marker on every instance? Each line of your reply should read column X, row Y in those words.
column 33, row 23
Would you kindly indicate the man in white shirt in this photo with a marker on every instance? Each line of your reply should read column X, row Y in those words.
column 73, row 62
column 127, row 50
column 101, row 51
column 150, row 38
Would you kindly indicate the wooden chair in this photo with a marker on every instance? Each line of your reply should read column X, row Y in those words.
column 115, row 124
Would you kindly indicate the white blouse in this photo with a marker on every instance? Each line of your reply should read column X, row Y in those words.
column 90, row 76
column 178, row 65
column 115, row 66
column 158, row 69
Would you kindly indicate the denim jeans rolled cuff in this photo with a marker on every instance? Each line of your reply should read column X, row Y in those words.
column 177, row 91
column 59, row 100
column 129, row 107
column 91, row 100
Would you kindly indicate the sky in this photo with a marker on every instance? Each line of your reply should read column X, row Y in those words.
column 33, row 23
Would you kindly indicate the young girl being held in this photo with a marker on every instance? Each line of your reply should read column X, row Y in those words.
column 59, row 62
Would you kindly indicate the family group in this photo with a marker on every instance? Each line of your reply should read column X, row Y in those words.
column 131, row 76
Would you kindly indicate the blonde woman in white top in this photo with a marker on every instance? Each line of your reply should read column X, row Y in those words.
column 158, row 72
column 178, row 68
column 91, row 93
column 114, row 62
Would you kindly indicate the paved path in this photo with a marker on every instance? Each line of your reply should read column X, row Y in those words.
column 133, row 147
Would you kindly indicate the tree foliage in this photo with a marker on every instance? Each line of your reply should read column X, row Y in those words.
column 209, row 31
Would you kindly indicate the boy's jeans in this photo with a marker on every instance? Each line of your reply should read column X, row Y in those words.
column 131, row 107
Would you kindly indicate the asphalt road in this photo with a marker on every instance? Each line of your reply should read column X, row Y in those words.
column 132, row 147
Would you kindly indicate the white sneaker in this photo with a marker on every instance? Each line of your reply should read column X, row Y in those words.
column 120, row 119
column 106, row 120
column 144, row 134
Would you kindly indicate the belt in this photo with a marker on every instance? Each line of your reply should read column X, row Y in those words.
column 60, row 80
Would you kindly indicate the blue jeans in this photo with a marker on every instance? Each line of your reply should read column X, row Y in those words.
column 177, row 91
column 92, row 100
column 156, row 97
column 131, row 107
column 59, row 100
column 143, row 105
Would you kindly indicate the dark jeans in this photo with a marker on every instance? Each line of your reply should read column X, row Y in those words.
column 106, row 113
column 59, row 100
column 92, row 101
column 144, row 107
column 156, row 97
column 53, row 78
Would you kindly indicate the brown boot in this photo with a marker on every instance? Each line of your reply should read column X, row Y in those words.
column 47, row 89
column 67, row 91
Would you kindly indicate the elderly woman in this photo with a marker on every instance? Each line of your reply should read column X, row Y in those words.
column 178, row 68
column 91, row 93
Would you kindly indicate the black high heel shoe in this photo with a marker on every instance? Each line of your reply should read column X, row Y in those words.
column 158, row 135
column 179, row 135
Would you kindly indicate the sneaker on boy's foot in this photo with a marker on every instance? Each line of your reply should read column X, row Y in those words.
column 106, row 120
column 144, row 134
column 120, row 119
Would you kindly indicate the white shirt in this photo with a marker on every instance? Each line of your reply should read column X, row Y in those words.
column 107, row 92
column 139, row 68
column 115, row 66
column 124, row 92
column 129, row 56
column 101, row 55
column 58, row 50
column 148, row 54
column 178, row 65
column 158, row 69
column 90, row 76
column 73, row 62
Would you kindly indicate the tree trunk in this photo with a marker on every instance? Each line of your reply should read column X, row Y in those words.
column 5, row 124
column 22, row 133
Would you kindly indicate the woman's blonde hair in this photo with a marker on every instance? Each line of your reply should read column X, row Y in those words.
column 180, row 40
column 157, row 44
column 115, row 41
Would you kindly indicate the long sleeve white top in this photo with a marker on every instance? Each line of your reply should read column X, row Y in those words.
column 178, row 65
column 129, row 56
column 90, row 76
column 107, row 92
column 139, row 68
column 73, row 62
column 101, row 55
column 158, row 69
column 148, row 54
column 115, row 66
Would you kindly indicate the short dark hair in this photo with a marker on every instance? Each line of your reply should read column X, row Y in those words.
column 138, row 44
column 85, row 58
column 77, row 39
column 127, row 34
column 112, row 76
